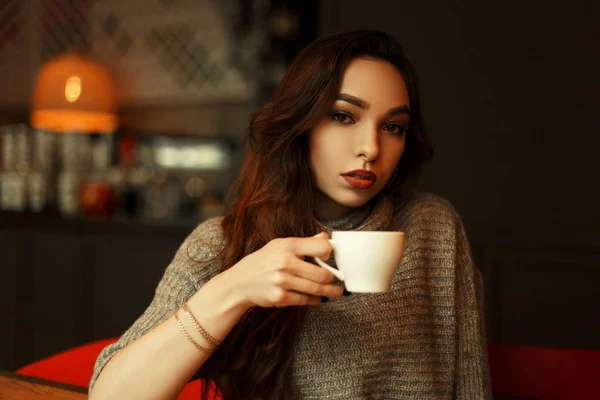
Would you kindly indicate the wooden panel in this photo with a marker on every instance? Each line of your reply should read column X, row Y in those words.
column 66, row 282
column 11, row 249
column 125, row 277
column 57, row 292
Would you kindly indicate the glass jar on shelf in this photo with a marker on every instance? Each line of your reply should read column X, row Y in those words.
column 97, row 196
column 39, row 183
column 68, row 177
column 15, row 168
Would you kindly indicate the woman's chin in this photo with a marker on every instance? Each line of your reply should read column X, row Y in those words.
column 354, row 200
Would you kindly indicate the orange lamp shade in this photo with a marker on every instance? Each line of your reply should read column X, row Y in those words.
column 73, row 94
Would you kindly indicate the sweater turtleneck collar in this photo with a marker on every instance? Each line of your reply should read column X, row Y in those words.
column 376, row 215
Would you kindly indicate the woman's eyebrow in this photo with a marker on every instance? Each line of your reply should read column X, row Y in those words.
column 348, row 98
column 398, row 110
column 360, row 103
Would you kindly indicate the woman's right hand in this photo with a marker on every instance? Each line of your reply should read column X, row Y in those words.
column 277, row 275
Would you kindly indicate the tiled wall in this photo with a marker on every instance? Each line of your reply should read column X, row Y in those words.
column 160, row 51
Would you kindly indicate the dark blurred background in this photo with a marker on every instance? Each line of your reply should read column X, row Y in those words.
column 91, row 217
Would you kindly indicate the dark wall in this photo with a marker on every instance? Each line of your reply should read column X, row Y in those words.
column 511, row 94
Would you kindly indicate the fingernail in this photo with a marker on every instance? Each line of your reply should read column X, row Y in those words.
column 324, row 299
column 346, row 292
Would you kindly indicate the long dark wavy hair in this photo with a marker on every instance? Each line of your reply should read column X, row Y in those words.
column 274, row 197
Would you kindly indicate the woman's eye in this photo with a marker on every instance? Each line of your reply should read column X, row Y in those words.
column 395, row 128
column 342, row 118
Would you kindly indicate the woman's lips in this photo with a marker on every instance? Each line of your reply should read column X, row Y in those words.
column 358, row 183
column 360, row 179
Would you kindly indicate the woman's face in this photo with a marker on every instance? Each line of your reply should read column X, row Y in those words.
column 355, row 149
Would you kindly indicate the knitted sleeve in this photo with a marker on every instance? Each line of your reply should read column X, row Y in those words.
column 193, row 265
column 472, row 366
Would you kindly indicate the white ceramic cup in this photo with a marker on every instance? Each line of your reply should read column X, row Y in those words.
column 367, row 261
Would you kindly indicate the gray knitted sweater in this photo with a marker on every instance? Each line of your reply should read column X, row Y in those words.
column 424, row 339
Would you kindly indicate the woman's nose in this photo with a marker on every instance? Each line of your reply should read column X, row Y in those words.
column 367, row 143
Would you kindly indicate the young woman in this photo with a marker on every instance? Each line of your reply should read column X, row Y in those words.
column 340, row 146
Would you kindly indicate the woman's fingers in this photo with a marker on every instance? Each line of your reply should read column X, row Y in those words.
column 317, row 245
column 295, row 283
column 280, row 297
column 301, row 299
column 277, row 275
column 309, row 271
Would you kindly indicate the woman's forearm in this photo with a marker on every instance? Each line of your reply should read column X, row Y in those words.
column 160, row 363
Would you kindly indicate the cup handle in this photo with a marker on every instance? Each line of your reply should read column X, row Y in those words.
column 338, row 274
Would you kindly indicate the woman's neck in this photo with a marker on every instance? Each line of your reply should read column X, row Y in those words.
column 326, row 209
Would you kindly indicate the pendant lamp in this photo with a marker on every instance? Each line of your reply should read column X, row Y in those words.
column 74, row 94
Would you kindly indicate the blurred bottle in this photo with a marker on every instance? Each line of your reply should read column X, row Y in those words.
column 126, row 177
column 39, row 184
column 68, row 177
column 162, row 196
column 15, row 168
column 97, row 193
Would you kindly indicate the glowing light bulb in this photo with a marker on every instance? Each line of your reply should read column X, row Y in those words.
column 73, row 89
